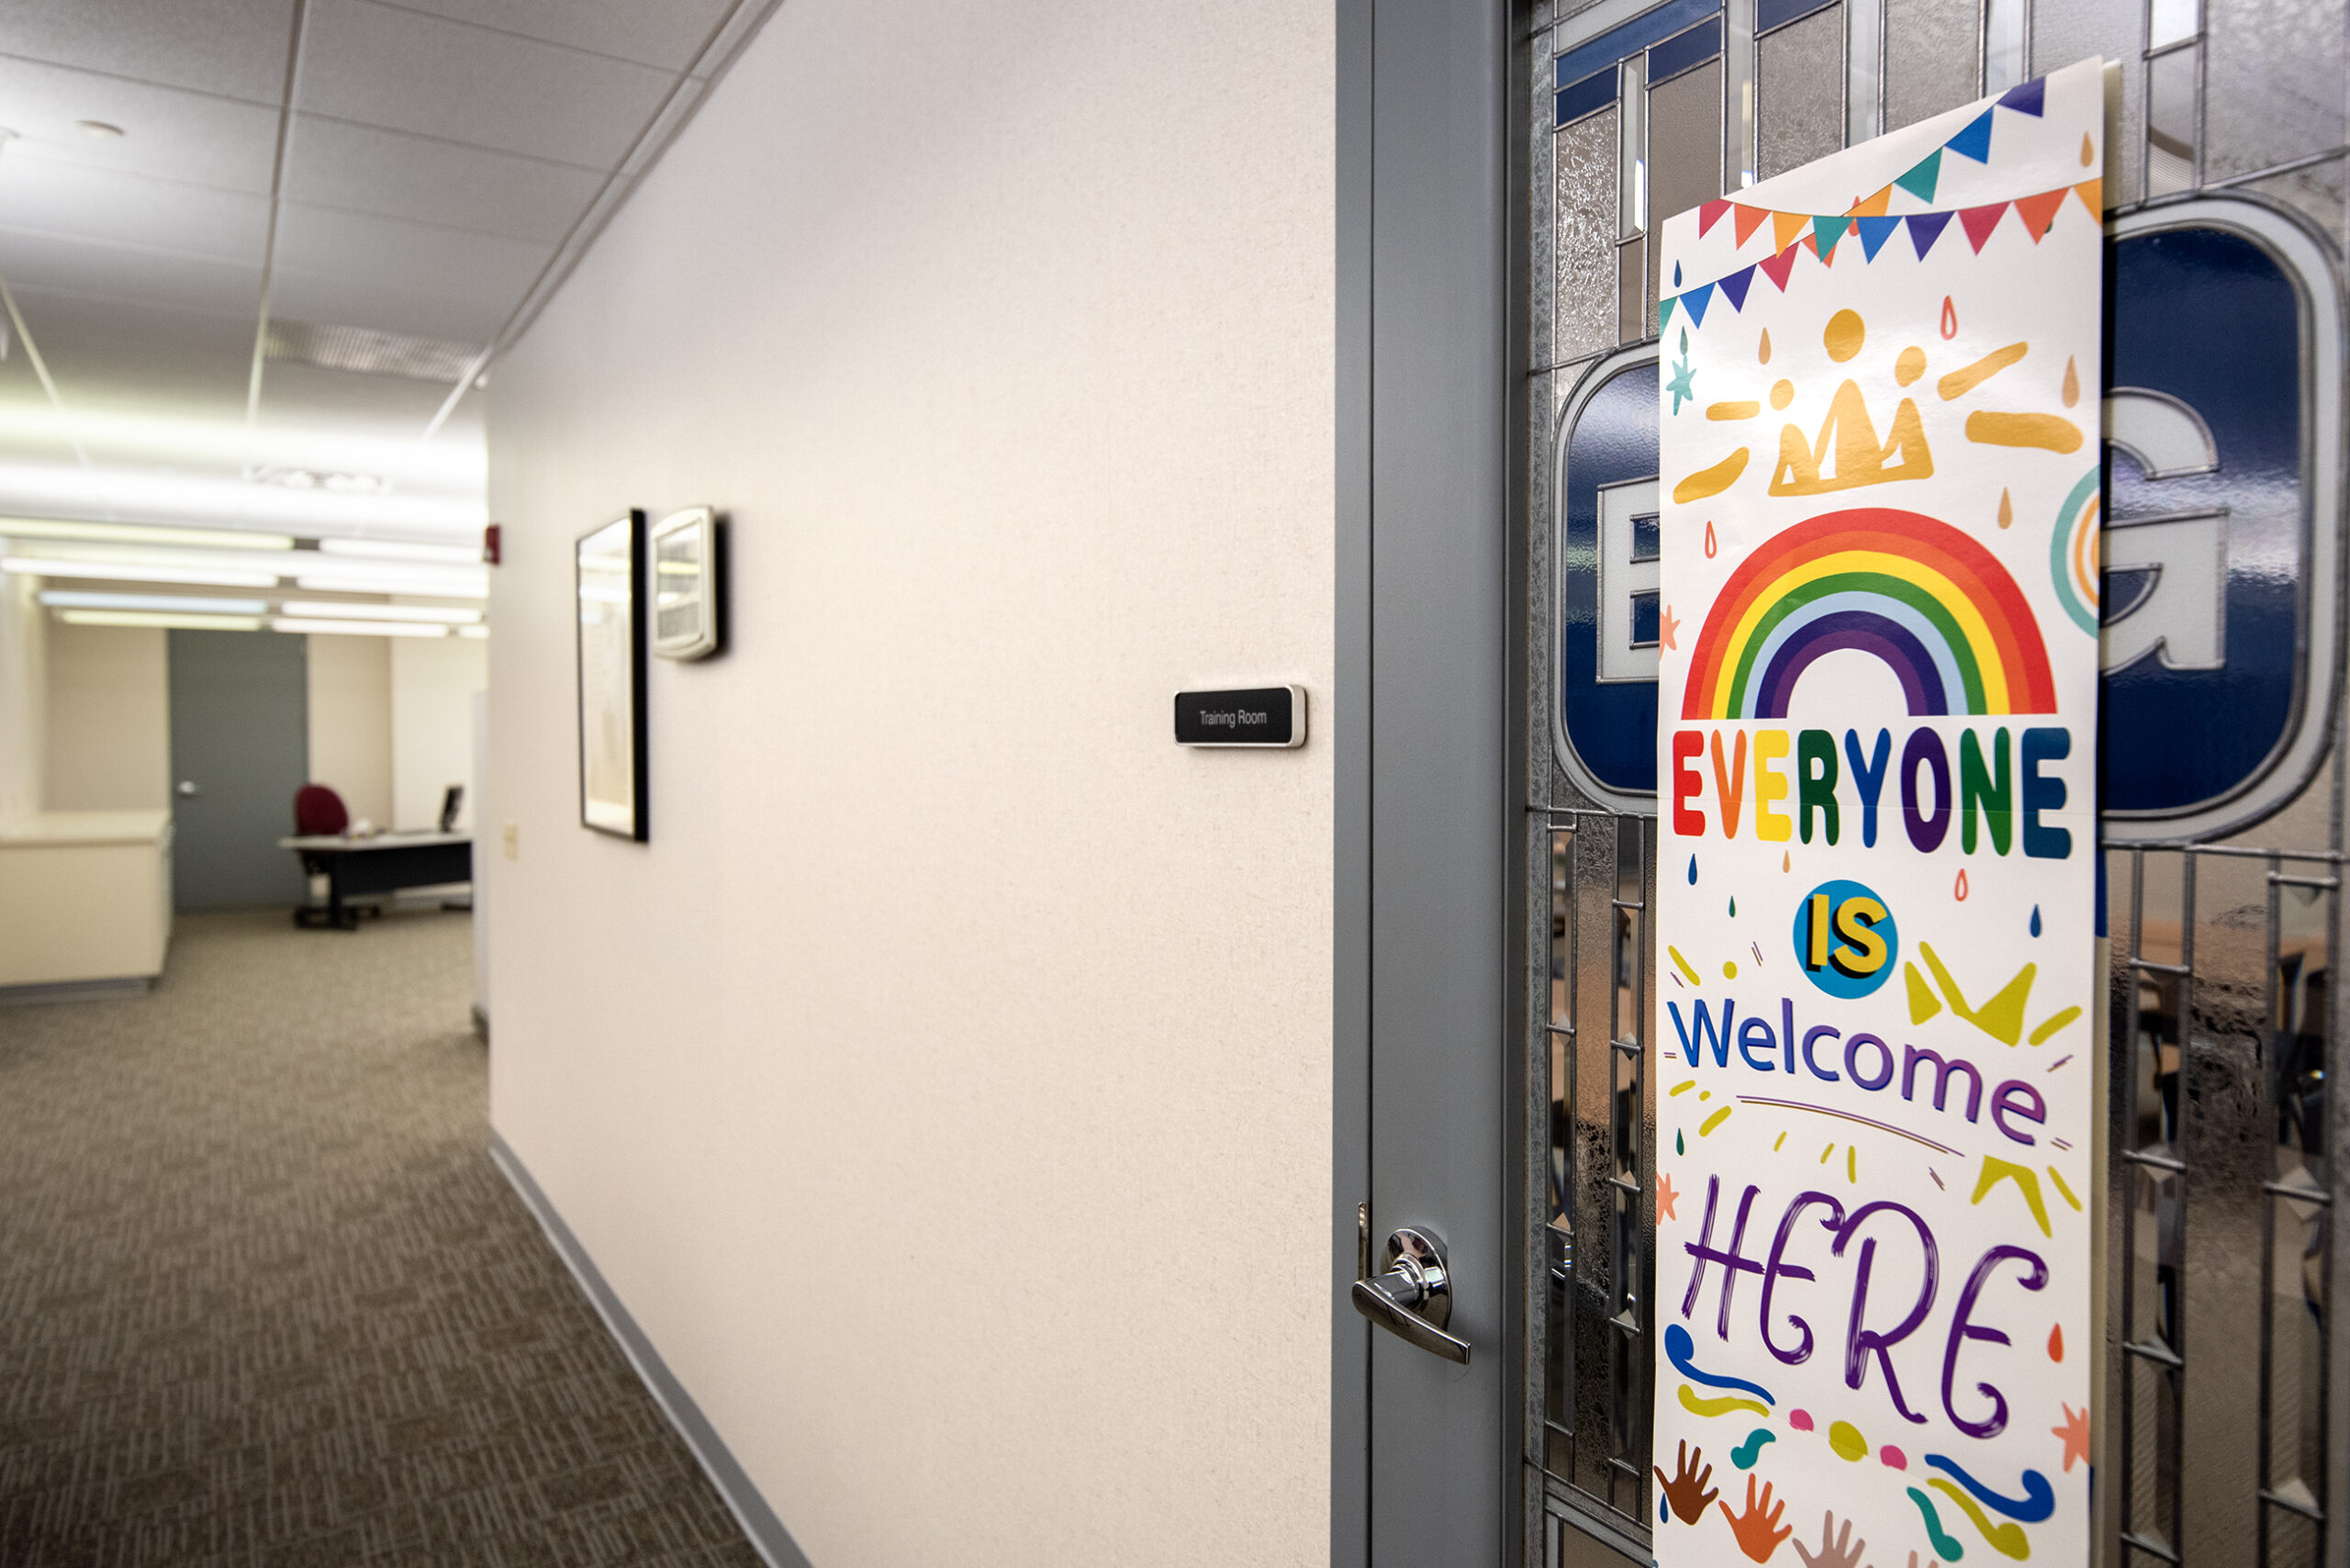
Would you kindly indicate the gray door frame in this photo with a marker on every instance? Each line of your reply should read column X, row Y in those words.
column 1430, row 734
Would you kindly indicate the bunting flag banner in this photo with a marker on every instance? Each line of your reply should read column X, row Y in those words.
column 1818, row 232
column 1876, row 1030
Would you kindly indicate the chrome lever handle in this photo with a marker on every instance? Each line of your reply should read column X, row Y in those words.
column 1413, row 1299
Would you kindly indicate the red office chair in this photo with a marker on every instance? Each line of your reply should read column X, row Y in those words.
column 318, row 810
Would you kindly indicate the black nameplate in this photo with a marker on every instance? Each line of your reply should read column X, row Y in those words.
column 1265, row 715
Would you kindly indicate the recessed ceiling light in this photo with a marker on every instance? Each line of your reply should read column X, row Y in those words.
column 100, row 129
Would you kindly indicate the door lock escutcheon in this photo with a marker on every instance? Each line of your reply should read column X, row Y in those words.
column 1412, row 1296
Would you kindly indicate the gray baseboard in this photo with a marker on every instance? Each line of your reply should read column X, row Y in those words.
column 764, row 1531
column 73, row 991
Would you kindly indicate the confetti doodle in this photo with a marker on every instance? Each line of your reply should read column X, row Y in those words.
column 2039, row 1499
column 1799, row 1419
column 2002, row 1016
column 1746, row 1453
column 1949, row 1545
column 2075, row 1433
column 1845, row 1441
column 2056, row 1343
column 1716, row 1119
column 2007, row 1540
column 1681, row 1349
column 1996, row 1171
column 1892, row 1457
column 1680, row 963
column 2055, row 1024
column 2035, row 931
column 1958, row 888
column 1722, row 1406
column 2056, row 1176
column 1693, row 870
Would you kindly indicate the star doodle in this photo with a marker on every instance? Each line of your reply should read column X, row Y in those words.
column 1665, row 1197
column 1667, row 624
column 1683, row 374
column 2075, row 1433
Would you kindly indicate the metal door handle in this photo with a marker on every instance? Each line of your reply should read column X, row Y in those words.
column 1413, row 1298
column 187, row 787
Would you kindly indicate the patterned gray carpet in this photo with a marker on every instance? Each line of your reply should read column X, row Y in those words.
column 265, row 1301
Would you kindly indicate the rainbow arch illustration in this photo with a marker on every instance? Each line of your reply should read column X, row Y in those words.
column 1937, row 607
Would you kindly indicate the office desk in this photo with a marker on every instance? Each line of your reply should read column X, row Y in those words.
column 383, row 864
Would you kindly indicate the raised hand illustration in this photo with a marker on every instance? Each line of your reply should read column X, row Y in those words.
column 1930, row 1563
column 1758, row 1530
column 1685, row 1494
column 1837, row 1551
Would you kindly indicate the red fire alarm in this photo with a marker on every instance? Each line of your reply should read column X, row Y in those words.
column 490, row 544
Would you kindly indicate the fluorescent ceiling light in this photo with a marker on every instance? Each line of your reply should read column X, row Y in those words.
column 400, row 550
column 477, row 632
column 186, row 604
column 116, row 571
column 150, row 555
column 450, row 586
column 446, row 615
column 223, row 500
column 144, row 533
column 151, row 618
column 359, row 628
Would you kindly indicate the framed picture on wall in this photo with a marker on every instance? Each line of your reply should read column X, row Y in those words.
column 611, row 631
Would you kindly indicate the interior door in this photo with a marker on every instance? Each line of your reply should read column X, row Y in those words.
column 2221, row 1414
column 1429, row 811
column 240, row 747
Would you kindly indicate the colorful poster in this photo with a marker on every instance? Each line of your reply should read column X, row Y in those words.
column 1878, row 631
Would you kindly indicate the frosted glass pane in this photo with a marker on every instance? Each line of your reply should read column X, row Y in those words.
column 2170, row 122
column 1584, row 256
column 1933, row 59
column 2272, row 82
column 1800, row 92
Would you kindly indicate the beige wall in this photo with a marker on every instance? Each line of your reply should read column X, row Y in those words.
column 954, row 1028
column 433, row 682
column 24, row 698
column 109, row 718
column 351, row 723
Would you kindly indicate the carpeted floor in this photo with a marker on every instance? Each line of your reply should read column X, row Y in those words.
column 265, row 1301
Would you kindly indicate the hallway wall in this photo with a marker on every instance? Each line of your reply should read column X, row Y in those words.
column 351, row 723
column 954, row 1028
column 109, row 718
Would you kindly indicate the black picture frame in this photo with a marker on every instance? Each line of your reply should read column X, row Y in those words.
column 609, row 641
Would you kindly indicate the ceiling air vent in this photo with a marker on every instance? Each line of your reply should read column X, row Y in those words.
column 370, row 352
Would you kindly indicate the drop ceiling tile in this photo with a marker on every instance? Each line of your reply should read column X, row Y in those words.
column 91, row 269
column 172, row 134
column 349, row 302
column 99, row 203
column 393, row 175
column 109, row 353
column 235, row 48
column 404, row 70
column 305, row 394
column 414, row 257
column 668, row 35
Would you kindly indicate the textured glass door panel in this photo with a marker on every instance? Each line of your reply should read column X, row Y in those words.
column 2219, row 1433
column 1800, row 92
column 1933, row 59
